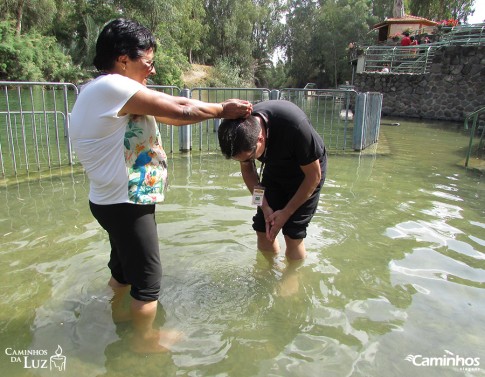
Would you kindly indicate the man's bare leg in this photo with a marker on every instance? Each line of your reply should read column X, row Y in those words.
column 295, row 249
column 295, row 254
column 267, row 246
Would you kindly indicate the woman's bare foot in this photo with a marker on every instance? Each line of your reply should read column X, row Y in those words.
column 159, row 341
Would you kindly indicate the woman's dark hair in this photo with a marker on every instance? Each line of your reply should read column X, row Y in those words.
column 122, row 37
column 238, row 135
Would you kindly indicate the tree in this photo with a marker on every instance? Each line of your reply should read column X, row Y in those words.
column 266, row 37
column 33, row 57
column 300, row 27
column 338, row 24
column 230, row 32
column 28, row 14
column 318, row 35
column 191, row 28
column 441, row 9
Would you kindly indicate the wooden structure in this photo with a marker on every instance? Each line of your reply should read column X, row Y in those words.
column 392, row 27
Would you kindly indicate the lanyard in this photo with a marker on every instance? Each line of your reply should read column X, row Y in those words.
column 260, row 176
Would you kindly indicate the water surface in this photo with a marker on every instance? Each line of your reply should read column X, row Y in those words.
column 395, row 271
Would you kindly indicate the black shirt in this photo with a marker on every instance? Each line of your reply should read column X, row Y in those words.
column 291, row 142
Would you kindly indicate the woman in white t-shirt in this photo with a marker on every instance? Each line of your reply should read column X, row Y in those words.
column 115, row 136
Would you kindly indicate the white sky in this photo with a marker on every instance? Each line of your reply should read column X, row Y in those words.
column 479, row 14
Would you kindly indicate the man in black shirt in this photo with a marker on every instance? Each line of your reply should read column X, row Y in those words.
column 293, row 166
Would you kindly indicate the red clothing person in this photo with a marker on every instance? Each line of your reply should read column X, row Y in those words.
column 406, row 41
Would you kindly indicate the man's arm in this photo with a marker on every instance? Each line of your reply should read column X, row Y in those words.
column 313, row 175
column 179, row 111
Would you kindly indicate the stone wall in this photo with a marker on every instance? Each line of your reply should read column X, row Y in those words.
column 454, row 87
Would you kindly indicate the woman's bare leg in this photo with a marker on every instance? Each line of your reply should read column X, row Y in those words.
column 120, row 312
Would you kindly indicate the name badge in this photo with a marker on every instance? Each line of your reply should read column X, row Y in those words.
column 258, row 195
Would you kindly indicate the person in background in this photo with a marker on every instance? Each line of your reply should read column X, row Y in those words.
column 406, row 41
column 414, row 42
column 293, row 167
column 115, row 137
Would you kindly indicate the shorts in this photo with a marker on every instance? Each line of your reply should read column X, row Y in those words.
column 135, row 253
column 295, row 227
column 277, row 198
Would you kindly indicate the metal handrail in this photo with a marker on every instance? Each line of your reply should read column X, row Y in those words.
column 413, row 59
column 463, row 35
column 474, row 115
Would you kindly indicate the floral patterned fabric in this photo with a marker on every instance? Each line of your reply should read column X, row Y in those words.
column 146, row 161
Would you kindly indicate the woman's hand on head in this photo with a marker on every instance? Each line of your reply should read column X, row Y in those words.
column 236, row 108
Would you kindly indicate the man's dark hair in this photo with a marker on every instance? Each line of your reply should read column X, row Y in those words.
column 238, row 135
column 122, row 37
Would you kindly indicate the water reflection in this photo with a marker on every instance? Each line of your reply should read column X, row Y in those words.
column 395, row 268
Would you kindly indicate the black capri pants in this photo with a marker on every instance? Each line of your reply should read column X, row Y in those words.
column 135, row 253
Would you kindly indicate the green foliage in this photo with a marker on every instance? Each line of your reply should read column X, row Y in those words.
column 382, row 9
column 33, row 57
column 228, row 74
column 39, row 16
column 168, row 71
column 301, row 24
column 49, row 39
column 441, row 9
column 317, row 38
column 278, row 76
column 170, row 59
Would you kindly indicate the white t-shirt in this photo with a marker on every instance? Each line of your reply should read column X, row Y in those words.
column 107, row 145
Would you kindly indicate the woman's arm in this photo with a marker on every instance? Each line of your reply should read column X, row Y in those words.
column 179, row 111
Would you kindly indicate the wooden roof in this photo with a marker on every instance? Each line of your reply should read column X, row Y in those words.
column 407, row 19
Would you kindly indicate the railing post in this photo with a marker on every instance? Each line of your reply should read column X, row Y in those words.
column 393, row 55
column 67, row 121
column 274, row 94
column 359, row 121
column 217, row 123
column 185, row 132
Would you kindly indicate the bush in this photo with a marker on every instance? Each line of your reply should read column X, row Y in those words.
column 168, row 71
column 227, row 74
column 33, row 57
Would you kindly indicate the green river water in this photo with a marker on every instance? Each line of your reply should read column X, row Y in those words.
column 394, row 283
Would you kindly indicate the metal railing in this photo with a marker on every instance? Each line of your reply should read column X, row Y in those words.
column 474, row 116
column 463, row 35
column 330, row 112
column 206, row 132
column 399, row 59
column 34, row 121
column 368, row 115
